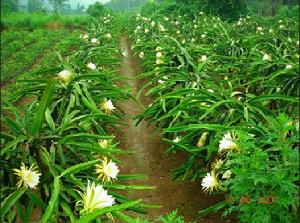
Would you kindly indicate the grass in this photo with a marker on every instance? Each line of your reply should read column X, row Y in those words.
column 27, row 50
column 30, row 34
column 31, row 21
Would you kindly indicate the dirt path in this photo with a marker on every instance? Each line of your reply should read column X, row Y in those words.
column 150, row 157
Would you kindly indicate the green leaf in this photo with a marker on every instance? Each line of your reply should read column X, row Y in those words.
column 11, row 200
column 91, row 105
column 40, row 114
column 46, row 158
column 89, row 77
column 29, row 209
column 68, row 210
column 123, row 199
column 214, row 127
column 61, row 154
column 83, row 135
column 274, row 97
column 36, row 199
column 24, row 91
column 53, row 201
column 20, row 211
column 130, row 177
column 96, row 148
column 49, row 119
column 93, row 215
column 79, row 167
column 40, row 71
column 130, row 187
column 246, row 113
column 71, row 104
column 213, row 208
column 123, row 217
column 19, row 139
column 14, row 126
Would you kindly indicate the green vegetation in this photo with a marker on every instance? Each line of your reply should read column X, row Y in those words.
column 26, row 55
column 64, row 133
column 35, row 39
column 57, row 4
column 34, row 21
column 225, row 87
column 226, row 94
column 125, row 5
column 34, row 5
column 96, row 9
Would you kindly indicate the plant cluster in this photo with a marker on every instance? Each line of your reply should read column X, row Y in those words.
column 25, row 56
column 227, row 95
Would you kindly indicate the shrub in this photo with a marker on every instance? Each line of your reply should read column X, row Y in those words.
column 151, row 8
column 289, row 11
column 96, row 9
column 231, row 9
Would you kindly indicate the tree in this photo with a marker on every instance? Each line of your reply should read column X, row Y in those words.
column 228, row 9
column 9, row 5
column 34, row 5
column 97, row 9
column 271, row 7
column 58, row 4
column 290, row 2
column 123, row 5
column 5, row 8
column 80, row 8
column 66, row 8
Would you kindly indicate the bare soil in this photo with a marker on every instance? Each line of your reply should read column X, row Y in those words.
column 150, row 157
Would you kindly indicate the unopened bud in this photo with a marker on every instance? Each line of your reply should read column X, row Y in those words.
column 202, row 139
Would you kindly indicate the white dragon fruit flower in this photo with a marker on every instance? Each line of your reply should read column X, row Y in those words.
column 28, row 177
column 177, row 139
column 108, row 35
column 107, row 170
column 94, row 197
column 95, row 41
column 159, row 54
column 210, row 182
column 266, row 57
column 203, row 58
column 227, row 143
column 91, row 66
column 141, row 54
column 107, row 106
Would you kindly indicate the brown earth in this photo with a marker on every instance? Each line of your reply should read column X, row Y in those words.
column 150, row 158
column 54, row 25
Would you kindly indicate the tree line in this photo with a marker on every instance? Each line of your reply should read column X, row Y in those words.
column 56, row 6
column 230, row 9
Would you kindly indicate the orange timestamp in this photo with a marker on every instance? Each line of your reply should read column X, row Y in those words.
column 247, row 199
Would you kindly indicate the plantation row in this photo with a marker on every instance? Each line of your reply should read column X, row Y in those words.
column 30, row 47
column 57, row 155
column 227, row 95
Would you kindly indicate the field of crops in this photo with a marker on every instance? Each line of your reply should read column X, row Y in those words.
column 97, row 117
